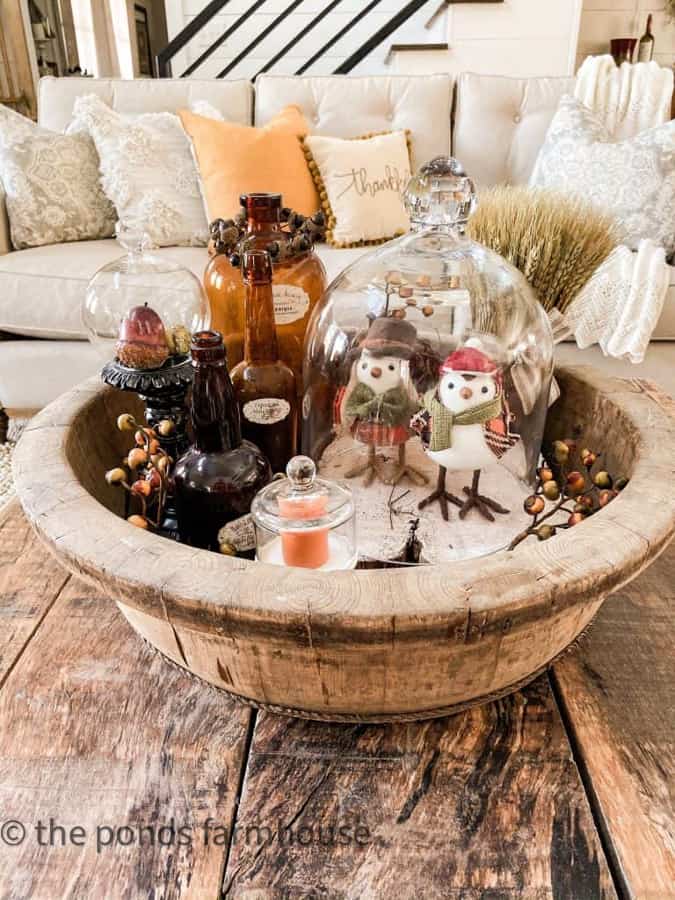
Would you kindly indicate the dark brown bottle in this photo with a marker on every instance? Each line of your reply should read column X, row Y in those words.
column 218, row 477
column 264, row 386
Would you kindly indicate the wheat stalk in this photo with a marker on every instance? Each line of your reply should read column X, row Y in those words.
column 557, row 242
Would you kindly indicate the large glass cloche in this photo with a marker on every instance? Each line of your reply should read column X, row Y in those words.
column 427, row 373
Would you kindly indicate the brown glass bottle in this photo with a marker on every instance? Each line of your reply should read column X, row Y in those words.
column 298, row 285
column 218, row 477
column 265, row 386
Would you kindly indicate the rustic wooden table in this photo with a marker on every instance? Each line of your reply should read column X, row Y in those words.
column 121, row 776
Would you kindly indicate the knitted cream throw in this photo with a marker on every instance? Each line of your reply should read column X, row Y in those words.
column 443, row 421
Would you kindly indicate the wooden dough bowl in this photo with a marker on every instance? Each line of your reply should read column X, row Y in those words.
column 366, row 645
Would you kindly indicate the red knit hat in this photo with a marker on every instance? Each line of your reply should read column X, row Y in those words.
column 469, row 359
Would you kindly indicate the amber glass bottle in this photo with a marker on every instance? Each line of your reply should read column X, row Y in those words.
column 218, row 477
column 264, row 385
column 298, row 284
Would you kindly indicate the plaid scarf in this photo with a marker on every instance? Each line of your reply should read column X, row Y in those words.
column 443, row 421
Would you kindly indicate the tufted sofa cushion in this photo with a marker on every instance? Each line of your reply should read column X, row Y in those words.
column 346, row 107
column 41, row 289
column 500, row 124
column 233, row 99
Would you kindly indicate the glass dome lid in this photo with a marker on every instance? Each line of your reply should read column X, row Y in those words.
column 427, row 375
column 142, row 307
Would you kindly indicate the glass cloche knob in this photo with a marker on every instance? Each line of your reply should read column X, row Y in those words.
column 301, row 472
column 440, row 195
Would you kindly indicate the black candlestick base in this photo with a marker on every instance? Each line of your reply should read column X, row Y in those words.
column 164, row 393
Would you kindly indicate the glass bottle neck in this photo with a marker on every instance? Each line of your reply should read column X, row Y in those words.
column 260, row 334
column 215, row 414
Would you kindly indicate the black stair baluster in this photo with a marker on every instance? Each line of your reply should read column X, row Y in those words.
column 343, row 31
column 165, row 56
column 301, row 34
column 261, row 37
column 372, row 43
column 223, row 37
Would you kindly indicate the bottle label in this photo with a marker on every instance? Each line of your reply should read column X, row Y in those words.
column 266, row 410
column 290, row 303
column 239, row 534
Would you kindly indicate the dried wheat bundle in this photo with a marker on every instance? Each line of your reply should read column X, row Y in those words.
column 556, row 242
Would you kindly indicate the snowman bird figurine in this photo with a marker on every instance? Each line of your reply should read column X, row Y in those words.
column 464, row 426
column 378, row 402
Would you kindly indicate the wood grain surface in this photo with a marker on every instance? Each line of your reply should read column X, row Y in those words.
column 97, row 732
column 25, row 599
column 485, row 804
column 618, row 694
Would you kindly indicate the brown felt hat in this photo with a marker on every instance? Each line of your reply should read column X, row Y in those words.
column 390, row 337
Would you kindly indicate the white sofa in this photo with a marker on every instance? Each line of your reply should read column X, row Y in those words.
column 494, row 125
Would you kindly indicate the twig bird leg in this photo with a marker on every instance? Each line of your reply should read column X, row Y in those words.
column 441, row 495
column 404, row 469
column 369, row 467
column 482, row 503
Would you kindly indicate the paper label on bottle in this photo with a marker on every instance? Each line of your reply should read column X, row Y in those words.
column 239, row 534
column 266, row 410
column 290, row 303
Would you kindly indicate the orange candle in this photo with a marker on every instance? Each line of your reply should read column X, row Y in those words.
column 307, row 549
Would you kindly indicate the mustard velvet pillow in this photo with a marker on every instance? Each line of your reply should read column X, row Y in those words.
column 238, row 159
column 361, row 183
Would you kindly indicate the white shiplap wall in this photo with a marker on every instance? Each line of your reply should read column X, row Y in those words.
column 602, row 20
column 516, row 37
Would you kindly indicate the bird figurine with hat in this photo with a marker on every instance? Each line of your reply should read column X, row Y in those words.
column 380, row 400
column 464, row 425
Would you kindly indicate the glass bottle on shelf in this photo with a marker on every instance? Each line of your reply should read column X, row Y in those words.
column 264, row 386
column 298, row 284
column 218, row 477
column 646, row 43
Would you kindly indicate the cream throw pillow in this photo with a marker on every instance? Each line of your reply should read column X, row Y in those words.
column 147, row 171
column 361, row 184
column 631, row 180
column 51, row 184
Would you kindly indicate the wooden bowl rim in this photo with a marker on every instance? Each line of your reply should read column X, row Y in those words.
column 458, row 599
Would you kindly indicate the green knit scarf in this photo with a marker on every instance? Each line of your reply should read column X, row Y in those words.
column 443, row 421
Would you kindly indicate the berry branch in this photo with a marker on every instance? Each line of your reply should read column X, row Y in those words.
column 589, row 491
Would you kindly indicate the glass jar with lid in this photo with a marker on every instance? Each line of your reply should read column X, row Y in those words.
column 427, row 376
column 305, row 521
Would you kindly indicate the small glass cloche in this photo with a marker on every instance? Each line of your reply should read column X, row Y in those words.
column 142, row 307
column 427, row 375
column 305, row 521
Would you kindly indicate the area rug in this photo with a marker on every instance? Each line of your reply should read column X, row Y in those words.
column 6, row 482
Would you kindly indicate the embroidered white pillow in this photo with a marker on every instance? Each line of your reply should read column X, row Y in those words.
column 632, row 180
column 361, row 184
column 51, row 184
column 147, row 171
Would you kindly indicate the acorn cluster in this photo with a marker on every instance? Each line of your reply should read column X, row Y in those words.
column 576, row 492
column 145, row 471
column 228, row 235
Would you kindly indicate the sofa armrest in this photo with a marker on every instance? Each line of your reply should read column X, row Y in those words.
column 5, row 240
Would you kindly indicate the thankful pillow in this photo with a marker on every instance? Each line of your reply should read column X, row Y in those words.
column 361, row 184
column 632, row 180
column 239, row 159
column 51, row 185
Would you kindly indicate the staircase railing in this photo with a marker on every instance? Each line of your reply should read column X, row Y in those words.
column 362, row 51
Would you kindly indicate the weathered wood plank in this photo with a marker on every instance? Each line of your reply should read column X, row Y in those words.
column 618, row 692
column 98, row 732
column 487, row 803
column 30, row 581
